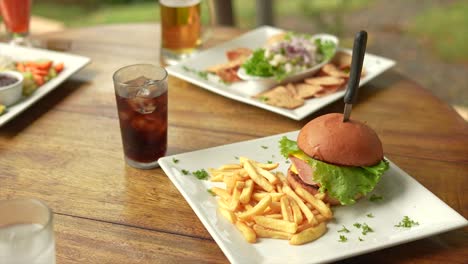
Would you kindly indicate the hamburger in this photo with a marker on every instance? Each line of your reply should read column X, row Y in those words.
column 344, row 160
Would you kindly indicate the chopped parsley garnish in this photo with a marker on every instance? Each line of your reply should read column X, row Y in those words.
column 287, row 162
column 236, row 157
column 185, row 172
column 366, row 229
column 360, row 239
column 407, row 222
column 210, row 192
column 201, row 174
column 270, row 162
column 203, row 75
column 175, row 160
column 344, row 229
column 264, row 147
column 370, row 215
column 375, row 198
column 357, row 225
column 343, row 239
column 263, row 98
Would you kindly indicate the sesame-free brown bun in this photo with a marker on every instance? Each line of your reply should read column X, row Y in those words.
column 329, row 139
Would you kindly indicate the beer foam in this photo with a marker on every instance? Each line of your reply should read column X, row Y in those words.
column 179, row 3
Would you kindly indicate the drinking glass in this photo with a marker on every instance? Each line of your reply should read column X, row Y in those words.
column 26, row 232
column 141, row 95
column 16, row 16
column 182, row 28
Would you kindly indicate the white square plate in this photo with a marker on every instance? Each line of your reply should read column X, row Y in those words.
column 73, row 63
column 402, row 196
column 373, row 65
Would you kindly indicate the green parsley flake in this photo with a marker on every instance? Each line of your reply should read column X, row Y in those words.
column 236, row 157
column 344, row 229
column 360, row 239
column 203, row 75
column 375, row 198
column 357, row 225
column 175, row 160
column 407, row 222
column 366, row 229
column 370, row 215
column 270, row 162
column 263, row 98
column 343, row 239
column 185, row 172
column 201, row 174
column 264, row 147
column 210, row 192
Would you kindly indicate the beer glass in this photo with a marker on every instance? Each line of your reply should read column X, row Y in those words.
column 141, row 95
column 16, row 16
column 26, row 232
column 182, row 28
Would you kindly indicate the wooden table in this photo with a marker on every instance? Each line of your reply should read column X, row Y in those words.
column 66, row 150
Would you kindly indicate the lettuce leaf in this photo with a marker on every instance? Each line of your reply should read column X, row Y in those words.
column 341, row 182
column 326, row 48
column 258, row 65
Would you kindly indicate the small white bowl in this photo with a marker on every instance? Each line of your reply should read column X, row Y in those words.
column 256, row 84
column 11, row 94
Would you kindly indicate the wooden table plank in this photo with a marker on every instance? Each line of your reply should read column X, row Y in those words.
column 85, row 241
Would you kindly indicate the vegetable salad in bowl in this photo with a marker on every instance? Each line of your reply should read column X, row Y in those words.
column 286, row 57
column 290, row 53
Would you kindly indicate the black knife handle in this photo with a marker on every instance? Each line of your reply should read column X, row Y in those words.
column 359, row 49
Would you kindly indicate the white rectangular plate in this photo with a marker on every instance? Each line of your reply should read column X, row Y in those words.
column 373, row 65
column 403, row 196
column 73, row 63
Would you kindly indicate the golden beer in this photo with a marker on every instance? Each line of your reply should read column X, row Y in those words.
column 181, row 25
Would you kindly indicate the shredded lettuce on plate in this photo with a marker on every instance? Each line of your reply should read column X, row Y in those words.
column 258, row 65
column 341, row 182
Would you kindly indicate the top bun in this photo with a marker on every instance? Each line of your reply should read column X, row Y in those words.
column 329, row 139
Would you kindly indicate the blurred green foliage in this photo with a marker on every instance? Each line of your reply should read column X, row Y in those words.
column 445, row 29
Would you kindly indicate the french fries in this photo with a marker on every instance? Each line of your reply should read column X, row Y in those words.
column 276, row 224
column 308, row 235
column 248, row 233
column 262, row 204
column 265, row 232
column 318, row 204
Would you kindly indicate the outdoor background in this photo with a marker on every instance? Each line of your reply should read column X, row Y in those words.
column 428, row 39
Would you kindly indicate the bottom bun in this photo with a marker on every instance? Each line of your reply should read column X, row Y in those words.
column 295, row 182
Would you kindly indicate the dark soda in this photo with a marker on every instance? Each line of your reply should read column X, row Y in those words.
column 143, row 125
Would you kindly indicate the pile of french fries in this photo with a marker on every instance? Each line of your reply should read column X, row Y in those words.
column 262, row 204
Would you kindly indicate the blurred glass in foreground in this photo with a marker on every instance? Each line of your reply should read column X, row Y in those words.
column 16, row 16
column 26, row 232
